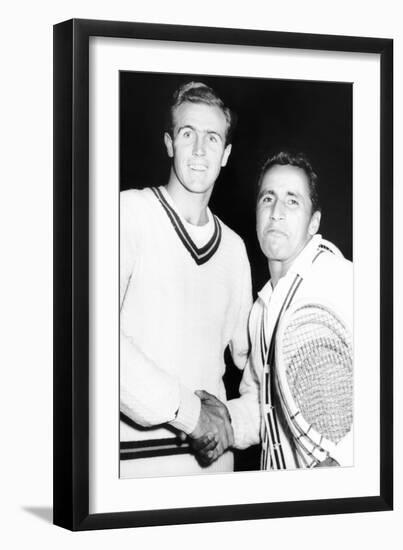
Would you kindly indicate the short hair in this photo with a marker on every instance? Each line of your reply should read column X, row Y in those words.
column 286, row 158
column 197, row 92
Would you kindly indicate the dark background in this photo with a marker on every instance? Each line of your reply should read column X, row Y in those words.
column 310, row 117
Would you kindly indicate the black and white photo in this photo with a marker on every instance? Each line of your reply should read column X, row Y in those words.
column 187, row 352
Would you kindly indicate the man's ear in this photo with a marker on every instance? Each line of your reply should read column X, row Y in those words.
column 314, row 223
column 227, row 152
column 169, row 145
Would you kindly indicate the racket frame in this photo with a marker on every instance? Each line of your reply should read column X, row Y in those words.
column 314, row 444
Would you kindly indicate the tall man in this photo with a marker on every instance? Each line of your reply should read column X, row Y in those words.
column 185, row 294
column 302, row 265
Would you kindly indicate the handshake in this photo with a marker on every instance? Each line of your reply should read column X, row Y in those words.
column 213, row 433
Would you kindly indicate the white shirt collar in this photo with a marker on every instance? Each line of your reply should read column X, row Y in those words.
column 200, row 234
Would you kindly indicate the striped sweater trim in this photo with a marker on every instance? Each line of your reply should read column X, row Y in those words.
column 148, row 448
column 200, row 255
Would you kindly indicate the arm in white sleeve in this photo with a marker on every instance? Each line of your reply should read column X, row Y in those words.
column 239, row 343
column 148, row 395
column 245, row 410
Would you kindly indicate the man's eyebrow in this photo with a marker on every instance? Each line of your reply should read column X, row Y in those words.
column 264, row 192
column 295, row 194
column 214, row 132
column 185, row 126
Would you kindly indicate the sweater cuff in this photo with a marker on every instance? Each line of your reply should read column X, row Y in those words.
column 188, row 412
column 236, row 425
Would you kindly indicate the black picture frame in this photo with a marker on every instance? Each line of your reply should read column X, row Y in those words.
column 72, row 284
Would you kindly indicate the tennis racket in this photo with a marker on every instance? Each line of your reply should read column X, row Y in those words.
column 314, row 379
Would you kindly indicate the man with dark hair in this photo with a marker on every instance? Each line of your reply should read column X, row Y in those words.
column 185, row 294
column 285, row 158
column 302, row 265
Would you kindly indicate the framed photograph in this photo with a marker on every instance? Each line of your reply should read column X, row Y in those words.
column 187, row 162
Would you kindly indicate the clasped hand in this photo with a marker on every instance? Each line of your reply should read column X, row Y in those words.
column 213, row 433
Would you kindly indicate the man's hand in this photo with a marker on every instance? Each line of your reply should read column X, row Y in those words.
column 213, row 433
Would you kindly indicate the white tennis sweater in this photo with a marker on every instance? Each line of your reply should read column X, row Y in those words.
column 180, row 308
column 329, row 281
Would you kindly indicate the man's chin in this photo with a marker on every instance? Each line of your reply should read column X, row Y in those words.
column 199, row 187
column 272, row 253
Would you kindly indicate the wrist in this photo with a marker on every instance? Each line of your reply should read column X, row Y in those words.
column 188, row 412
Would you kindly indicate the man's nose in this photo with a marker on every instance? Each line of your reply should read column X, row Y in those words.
column 278, row 211
column 199, row 146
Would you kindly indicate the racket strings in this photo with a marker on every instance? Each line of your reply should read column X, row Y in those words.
column 317, row 353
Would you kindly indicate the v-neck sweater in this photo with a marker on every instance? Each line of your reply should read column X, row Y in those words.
column 180, row 309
